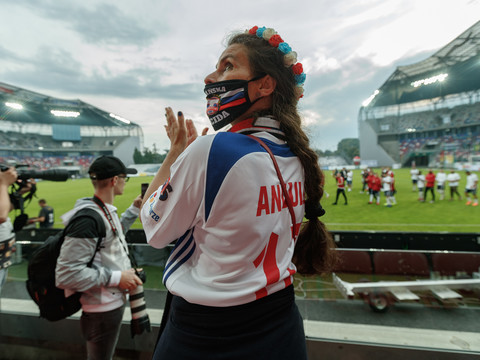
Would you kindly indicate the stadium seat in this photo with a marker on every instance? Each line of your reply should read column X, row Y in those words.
column 351, row 261
column 401, row 263
column 450, row 264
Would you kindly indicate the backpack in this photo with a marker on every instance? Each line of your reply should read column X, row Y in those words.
column 41, row 272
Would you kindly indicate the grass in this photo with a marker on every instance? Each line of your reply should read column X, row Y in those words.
column 63, row 195
column 408, row 215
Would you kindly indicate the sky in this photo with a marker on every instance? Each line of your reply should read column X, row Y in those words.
column 134, row 58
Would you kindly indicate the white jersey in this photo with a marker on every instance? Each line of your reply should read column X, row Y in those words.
column 453, row 179
column 414, row 174
column 421, row 181
column 224, row 207
column 387, row 183
column 472, row 181
column 441, row 178
column 349, row 175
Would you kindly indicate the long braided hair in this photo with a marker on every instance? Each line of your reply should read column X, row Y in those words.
column 314, row 250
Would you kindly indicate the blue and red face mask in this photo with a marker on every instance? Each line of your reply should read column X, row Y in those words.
column 227, row 100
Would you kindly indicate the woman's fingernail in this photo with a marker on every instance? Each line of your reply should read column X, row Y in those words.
column 180, row 113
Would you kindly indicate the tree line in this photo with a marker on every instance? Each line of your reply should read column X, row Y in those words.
column 346, row 148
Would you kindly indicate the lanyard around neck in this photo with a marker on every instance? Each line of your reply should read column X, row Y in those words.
column 104, row 208
column 109, row 217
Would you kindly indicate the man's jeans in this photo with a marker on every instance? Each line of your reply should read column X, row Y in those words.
column 101, row 331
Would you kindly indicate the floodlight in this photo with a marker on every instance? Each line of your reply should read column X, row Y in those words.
column 120, row 118
column 14, row 105
column 430, row 80
column 63, row 113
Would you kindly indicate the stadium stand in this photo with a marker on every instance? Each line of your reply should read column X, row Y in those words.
column 353, row 261
column 401, row 263
column 47, row 132
column 427, row 112
column 456, row 264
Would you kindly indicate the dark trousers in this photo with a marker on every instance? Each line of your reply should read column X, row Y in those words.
column 341, row 191
column 453, row 191
column 427, row 189
column 101, row 331
column 268, row 328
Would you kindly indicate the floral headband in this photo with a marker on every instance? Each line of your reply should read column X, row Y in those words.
column 289, row 58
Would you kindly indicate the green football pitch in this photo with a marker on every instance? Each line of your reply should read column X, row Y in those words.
column 408, row 215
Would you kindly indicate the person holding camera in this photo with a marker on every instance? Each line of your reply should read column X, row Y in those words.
column 105, row 284
column 234, row 202
column 7, row 235
column 9, row 202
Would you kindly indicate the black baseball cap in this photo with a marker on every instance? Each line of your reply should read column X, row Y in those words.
column 107, row 166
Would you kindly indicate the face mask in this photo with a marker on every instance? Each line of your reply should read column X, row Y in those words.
column 227, row 100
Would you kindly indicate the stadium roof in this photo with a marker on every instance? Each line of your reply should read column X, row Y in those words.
column 453, row 69
column 25, row 106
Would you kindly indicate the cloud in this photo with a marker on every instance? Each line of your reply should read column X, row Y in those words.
column 134, row 58
column 55, row 68
column 7, row 55
column 126, row 85
column 313, row 118
column 101, row 23
column 106, row 24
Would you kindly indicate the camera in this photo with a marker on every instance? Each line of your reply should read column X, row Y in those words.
column 22, row 186
column 140, row 320
column 141, row 274
column 25, row 173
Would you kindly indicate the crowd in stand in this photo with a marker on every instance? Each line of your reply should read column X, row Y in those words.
column 449, row 131
column 459, row 146
column 11, row 139
column 430, row 120
column 49, row 162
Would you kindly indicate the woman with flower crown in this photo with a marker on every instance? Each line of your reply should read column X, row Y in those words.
column 235, row 209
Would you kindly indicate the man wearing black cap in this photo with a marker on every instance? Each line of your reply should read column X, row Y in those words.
column 104, row 284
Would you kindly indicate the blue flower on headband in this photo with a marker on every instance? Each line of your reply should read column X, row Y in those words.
column 300, row 79
column 284, row 48
column 260, row 31
column 289, row 56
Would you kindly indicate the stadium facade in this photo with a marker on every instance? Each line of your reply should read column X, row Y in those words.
column 47, row 132
column 427, row 113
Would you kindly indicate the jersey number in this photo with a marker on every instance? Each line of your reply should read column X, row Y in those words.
column 268, row 259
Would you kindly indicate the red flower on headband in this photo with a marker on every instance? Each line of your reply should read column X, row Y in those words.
column 275, row 40
column 253, row 30
column 297, row 69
